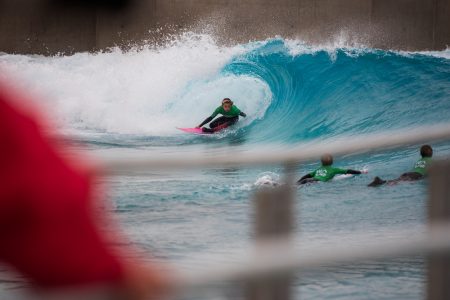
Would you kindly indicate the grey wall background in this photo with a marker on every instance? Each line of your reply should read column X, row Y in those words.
column 51, row 26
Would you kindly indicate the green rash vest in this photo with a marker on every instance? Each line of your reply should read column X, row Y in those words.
column 422, row 165
column 234, row 112
column 325, row 173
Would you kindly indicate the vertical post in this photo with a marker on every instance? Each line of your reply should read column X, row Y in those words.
column 438, row 281
column 274, row 220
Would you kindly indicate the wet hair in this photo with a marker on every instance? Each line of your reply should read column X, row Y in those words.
column 426, row 151
column 327, row 160
column 227, row 100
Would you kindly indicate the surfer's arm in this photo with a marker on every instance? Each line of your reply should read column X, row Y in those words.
column 207, row 120
column 309, row 175
column 210, row 118
column 354, row 172
column 243, row 114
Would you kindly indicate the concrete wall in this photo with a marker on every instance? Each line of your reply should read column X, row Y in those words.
column 48, row 27
column 35, row 26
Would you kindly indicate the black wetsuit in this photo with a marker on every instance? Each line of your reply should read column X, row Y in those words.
column 228, row 118
column 419, row 172
column 409, row 176
column 219, row 123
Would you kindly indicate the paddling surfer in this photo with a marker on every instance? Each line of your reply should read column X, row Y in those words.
column 326, row 172
column 419, row 171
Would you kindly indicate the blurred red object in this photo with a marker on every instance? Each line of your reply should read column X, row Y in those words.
column 47, row 227
column 48, row 230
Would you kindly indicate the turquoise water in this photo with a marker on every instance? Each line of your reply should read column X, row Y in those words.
column 129, row 103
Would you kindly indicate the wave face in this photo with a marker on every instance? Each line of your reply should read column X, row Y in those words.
column 324, row 93
column 291, row 92
column 128, row 102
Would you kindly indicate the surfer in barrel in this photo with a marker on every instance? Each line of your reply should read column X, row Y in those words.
column 326, row 172
column 419, row 171
column 230, row 115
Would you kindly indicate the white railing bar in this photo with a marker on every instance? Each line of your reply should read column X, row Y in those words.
column 280, row 257
column 300, row 153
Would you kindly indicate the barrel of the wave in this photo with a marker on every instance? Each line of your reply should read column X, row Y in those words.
column 273, row 223
column 438, row 287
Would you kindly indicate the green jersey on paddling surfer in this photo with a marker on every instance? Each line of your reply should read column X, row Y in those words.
column 230, row 115
column 419, row 171
column 326, row 172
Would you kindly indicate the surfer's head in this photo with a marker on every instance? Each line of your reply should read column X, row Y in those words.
column 426, row 151
column 327, row 160
column 227, row 104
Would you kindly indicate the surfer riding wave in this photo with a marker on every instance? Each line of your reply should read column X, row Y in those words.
column 230, row 115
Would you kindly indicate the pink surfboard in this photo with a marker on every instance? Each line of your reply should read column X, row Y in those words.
column 193, row 130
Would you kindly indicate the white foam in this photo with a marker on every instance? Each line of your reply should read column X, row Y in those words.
column 343, row 41
column 340, row 41
column 267, row 179
column 439, row 54
column 146, row 91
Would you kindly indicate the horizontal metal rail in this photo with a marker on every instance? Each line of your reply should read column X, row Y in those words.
column 277, row 257
column 296, row 154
